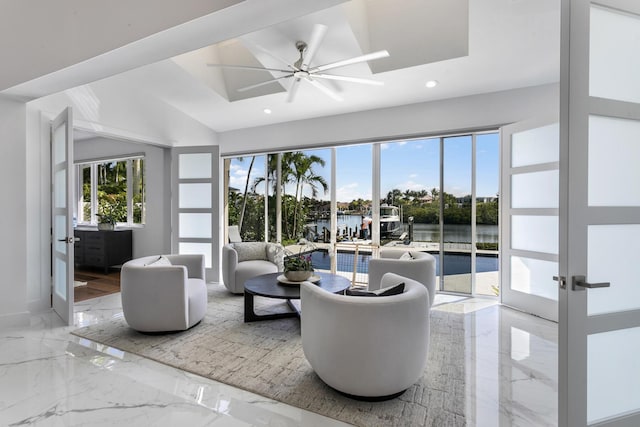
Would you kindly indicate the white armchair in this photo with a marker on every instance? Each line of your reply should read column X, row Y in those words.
column 164, row 293
column 420, row 266
column 244, row 260
column 371, row 348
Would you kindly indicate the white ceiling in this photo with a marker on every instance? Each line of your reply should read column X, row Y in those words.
column 507, row 44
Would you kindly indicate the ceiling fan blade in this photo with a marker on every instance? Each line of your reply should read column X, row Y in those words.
column 317, row 36
column 247, row 67
column 293, row 90
column 347, row 79
column 368, row 57
column 325, row 89
column 276, row 57
column 246, row 88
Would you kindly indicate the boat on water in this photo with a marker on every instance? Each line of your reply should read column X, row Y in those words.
column 390, row 220
column 354, row 225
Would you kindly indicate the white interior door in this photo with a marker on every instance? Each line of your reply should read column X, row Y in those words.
column 529, row 203
column 196, row 216
column 61, row 213
column 599, row 373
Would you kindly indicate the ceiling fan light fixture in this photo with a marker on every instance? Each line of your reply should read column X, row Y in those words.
column 431, row 84
column 302, row 71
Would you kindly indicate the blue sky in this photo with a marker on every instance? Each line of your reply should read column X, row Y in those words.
column 405, row 165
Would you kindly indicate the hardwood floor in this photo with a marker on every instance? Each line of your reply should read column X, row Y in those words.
column 97, row 283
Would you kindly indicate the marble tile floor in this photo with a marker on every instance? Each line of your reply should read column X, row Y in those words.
column 51, row 378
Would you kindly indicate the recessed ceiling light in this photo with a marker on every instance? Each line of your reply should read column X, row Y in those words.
column 431, row 83
column 267, row 111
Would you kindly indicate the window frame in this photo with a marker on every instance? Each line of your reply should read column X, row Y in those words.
column 93, row 165
column 376, row 146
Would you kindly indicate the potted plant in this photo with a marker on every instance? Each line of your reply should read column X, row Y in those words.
column 108, row 217
column 298, row 268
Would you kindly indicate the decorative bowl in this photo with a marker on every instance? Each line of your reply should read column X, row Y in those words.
column 298, row 276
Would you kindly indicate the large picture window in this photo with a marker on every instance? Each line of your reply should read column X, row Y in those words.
column 438, row 195
column 113, row 188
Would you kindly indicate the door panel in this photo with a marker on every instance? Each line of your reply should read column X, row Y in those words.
column 61, row 213
column 615, row 266
column 599, row 377
column 458, row 248
column 529, row 238
column 195, row 211
column 613, row 159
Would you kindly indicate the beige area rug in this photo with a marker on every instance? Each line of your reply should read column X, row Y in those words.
column 267, row 358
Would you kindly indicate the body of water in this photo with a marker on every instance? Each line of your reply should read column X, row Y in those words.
column 423, row 232
column 453, row 263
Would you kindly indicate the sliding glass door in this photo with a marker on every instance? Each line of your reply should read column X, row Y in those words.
column 487, row 154
column 457, row 200
column 436, row 195
column 246, row 196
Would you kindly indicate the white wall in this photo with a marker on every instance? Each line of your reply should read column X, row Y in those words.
column 155, row 236
column 38, row 211
column 429, row 118
column 13, row 213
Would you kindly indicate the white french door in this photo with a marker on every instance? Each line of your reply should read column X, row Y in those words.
column 529, row 196
column 196, row 205
column 599, row 340
column 61, row 213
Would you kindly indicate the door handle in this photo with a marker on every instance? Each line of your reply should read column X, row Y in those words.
column 66, row 240
column 579, row 283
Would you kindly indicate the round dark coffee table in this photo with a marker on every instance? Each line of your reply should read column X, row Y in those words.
column 267, row 286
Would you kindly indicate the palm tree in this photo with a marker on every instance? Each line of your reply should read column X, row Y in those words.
column 296, row 168
column 303, row 174
column 246, row 191
column 272, row 164
column 393, row 195
column 287, row 159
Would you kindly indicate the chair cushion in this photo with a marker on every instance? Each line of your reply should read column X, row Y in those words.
column 384, row 292
column 249, row 251
column 248, row 269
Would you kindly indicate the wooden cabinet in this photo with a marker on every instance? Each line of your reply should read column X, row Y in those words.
column 102, row 248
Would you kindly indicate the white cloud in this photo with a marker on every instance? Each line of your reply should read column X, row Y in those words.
column 413, row 175
column 386, row 145
column 237, row 182
column 350, row 192
column 238, row 173
column 411, row 185
column 237, row 176
column 457, row 191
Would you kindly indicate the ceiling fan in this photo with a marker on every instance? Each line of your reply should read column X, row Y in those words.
column 302, row 69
